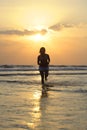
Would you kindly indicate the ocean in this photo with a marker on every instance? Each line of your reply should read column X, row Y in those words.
column 23, row 105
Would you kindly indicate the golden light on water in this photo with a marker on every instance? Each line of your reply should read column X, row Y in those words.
column 36, row 114
column 37, row 95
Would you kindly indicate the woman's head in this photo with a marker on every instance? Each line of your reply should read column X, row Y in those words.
column 42, row 50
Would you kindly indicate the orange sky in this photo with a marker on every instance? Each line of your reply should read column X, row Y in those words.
column 61, row 27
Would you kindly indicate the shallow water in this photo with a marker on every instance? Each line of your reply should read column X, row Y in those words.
column 23, row 106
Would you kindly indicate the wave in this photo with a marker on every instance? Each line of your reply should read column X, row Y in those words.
column 19, row 74
column 48, row 84
column 33, row 74
column 35, row 68
column 55, row 87
column 68, row 91
column 15, row 81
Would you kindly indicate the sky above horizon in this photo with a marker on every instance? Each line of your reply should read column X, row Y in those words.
column 58, row 25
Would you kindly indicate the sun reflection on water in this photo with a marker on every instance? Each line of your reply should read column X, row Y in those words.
column 35, row 114
column 37, row 95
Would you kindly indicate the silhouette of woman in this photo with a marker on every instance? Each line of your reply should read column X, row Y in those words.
column 43, row 61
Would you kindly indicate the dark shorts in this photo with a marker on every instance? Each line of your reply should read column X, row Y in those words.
column 43, row 68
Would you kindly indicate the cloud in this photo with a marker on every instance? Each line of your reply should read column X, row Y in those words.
column 22, row 33
column 55, row 27
column 60, row 26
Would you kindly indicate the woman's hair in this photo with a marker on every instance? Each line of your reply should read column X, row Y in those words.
column 42, row 49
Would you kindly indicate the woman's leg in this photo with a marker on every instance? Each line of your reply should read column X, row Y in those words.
column 42, row 76
column 46, row 74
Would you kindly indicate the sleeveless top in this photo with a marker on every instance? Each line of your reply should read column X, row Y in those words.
column 43, row 60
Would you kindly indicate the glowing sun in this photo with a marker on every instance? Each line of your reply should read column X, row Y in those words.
column 38, row 37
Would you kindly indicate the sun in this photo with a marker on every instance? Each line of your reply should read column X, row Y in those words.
column 38, row 37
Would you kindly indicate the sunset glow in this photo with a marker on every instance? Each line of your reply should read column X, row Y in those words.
column 57, row 25
column 37, row 37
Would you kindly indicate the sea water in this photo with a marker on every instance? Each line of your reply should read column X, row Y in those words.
column 23, row 105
